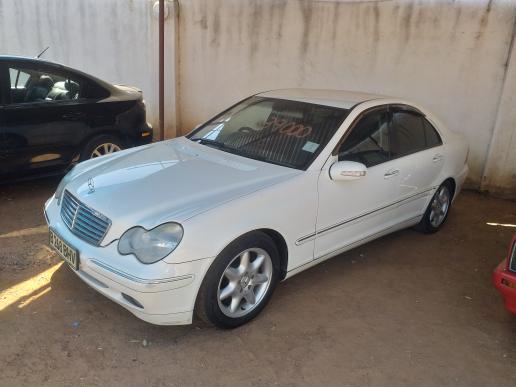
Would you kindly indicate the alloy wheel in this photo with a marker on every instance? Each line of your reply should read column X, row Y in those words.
column 105, row 149
column 439, row 206
column 244, row 282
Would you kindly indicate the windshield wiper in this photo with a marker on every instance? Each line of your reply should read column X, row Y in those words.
column 207, row 141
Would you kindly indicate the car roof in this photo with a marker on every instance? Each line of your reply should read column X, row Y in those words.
column 338, row 98
column 16, row 58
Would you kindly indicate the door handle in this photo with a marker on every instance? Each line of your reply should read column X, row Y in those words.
column 391, row 173
column 437, row 157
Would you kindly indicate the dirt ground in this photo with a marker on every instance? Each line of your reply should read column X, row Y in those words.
column 406, row 310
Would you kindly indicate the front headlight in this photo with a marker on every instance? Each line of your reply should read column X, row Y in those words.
column 60, row 188
column 152, row 245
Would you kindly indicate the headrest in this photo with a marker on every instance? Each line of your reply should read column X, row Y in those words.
column 45, row 81
column 67, row 85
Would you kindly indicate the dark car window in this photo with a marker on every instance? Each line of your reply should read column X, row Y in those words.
column 407, row 133
column 431, row 135
column 33, row 85
column 91, row 90
column 512, row 262
column 368, row 143
column 19, row 78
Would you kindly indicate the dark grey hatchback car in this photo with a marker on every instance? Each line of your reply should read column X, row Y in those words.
column 52, row 116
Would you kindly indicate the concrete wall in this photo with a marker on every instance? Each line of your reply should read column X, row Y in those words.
column 448, row 55
column 500, row 171
column 115, row 40
column 453, row 56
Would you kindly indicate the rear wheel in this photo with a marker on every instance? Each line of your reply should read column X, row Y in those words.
column 101, row 146
column 240, row 281
column 437, row 211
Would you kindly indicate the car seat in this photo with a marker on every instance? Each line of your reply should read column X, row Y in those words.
column 39, row 90
column 64, row 90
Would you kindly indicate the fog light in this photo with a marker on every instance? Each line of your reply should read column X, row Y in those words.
column 131, row 300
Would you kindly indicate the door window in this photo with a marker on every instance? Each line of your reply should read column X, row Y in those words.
column 407, row 133
column 18, row 78
column 431, row 135
column 368, row 143
column 33, row 85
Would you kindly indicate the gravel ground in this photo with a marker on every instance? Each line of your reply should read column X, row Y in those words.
column 405, row 310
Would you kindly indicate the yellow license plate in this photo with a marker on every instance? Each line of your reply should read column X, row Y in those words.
column 67, row 252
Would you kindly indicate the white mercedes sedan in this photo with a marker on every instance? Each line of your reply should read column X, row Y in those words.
column 208, row 224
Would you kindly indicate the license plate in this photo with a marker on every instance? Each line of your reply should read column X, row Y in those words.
column 67, row 252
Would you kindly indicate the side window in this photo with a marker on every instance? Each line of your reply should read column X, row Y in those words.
column 33, row 85
column 368, row 143
column 407, row 134
column 431, row 135
column 91, row 90
column 18, row 78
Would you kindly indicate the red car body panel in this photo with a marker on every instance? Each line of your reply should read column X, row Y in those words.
column 505, row 279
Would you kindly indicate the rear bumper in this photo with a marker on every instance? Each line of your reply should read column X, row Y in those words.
column 505, row 282
column 460, row 180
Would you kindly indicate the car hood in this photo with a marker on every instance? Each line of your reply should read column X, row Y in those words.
column 168, row 181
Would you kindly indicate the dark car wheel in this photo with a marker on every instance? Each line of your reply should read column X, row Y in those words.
column 240, row 281
column 100, row 146
column 438, row 209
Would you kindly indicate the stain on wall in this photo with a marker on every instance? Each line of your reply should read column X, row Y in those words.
column 447, row 55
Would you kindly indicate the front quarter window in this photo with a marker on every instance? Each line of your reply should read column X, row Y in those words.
column 278, row 131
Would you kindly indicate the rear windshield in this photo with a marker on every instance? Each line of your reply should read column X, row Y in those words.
column 278, row 131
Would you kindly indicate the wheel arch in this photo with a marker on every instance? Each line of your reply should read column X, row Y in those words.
column 277, row 239
column 453, row 185
column 281, row 244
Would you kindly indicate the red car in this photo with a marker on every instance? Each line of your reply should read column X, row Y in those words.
column 504, row 277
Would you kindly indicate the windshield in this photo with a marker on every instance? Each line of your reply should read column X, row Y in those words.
column 288, row 133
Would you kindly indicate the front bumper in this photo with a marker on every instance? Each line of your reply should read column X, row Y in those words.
column 505, row 282
column 160, row 293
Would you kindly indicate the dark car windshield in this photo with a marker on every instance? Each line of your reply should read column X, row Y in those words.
column 278, row 131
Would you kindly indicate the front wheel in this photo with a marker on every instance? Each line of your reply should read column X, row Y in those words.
column 240, row 281
column 437, row 211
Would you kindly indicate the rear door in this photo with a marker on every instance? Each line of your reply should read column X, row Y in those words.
column 44, row 118
column 417, row 147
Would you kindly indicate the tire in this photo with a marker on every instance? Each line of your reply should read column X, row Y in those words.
column 437, row 211
column 224, row 298
column 114, row 144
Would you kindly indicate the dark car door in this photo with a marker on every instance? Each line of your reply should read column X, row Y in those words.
column 3, row 96
column 44, row 118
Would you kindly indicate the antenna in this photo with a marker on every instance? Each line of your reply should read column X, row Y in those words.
column 42, row 52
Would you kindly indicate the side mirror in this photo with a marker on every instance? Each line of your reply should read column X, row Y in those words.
column 347, row 170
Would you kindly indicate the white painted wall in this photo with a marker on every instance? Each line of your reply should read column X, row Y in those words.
column 500, row 171
column 115, row 40
column 450, row 55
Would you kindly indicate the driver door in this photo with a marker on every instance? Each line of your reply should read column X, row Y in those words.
column 351, row 211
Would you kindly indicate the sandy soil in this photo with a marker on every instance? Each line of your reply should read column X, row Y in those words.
column 406, row 310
